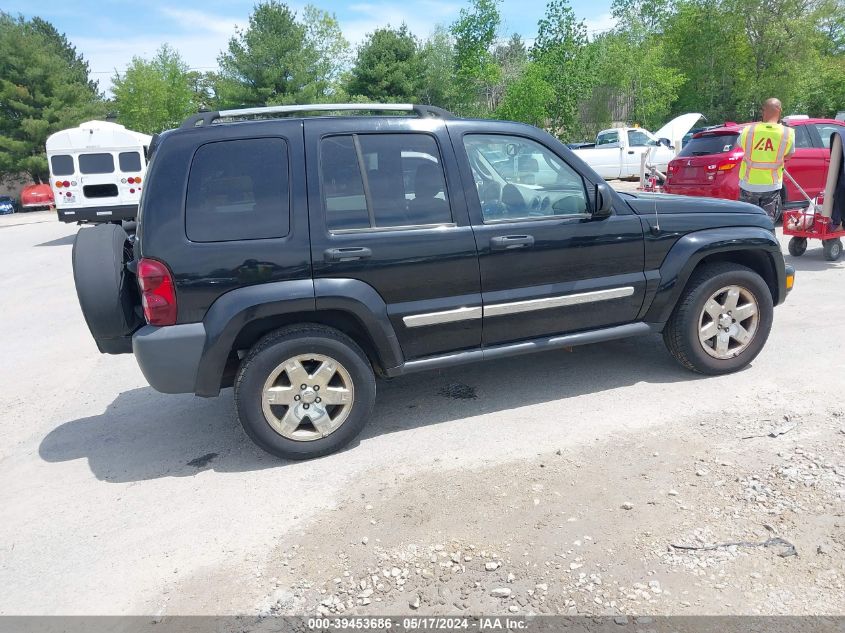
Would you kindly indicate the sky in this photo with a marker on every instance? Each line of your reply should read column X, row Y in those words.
column 109, row 33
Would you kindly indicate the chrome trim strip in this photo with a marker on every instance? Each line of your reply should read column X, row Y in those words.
column 447, row 316
column 385, row 229
column 515, row 307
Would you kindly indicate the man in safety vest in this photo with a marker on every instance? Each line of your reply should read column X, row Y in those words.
column 765, row 145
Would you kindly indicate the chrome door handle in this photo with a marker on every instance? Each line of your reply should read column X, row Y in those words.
column 508, row 242
column 347, row 254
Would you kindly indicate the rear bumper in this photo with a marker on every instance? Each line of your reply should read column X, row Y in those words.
column 169, row 357
column 99, row 214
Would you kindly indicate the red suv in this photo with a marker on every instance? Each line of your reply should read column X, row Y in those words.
column 709, row 164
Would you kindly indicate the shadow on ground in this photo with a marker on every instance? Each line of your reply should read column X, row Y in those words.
column 67, row 240
column 146, row 435
column 813, row 260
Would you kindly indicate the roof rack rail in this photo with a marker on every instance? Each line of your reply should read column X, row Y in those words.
column 423, row 111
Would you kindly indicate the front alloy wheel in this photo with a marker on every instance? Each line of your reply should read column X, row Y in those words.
column 728, row 322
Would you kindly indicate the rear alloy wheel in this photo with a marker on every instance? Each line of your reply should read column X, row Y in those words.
column 722, row 319
column 797, row 246
column 304, row 391
column 832, row 249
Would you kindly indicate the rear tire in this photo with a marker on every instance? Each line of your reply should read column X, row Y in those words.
column 296, row 415
column 832, row 249
column 736, row 333
column 797, row 246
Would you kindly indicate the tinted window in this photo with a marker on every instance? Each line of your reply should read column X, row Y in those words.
column 707, row 145
column 802, row 137
column 129, row 161
column 825, row 131
column 238, row 190
column 62, row 165
column 383, row 180
column 96, row 163
column 535, row 184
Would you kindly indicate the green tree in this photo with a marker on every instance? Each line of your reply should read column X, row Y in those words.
column 388, row 66
column 326, row 51
column 477, row 73
column 527, row 97
column 155, row 95
column 561, row 50
column 438, row 77
column 44, row 87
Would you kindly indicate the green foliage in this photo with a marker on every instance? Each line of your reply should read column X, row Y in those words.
column 44, row 87
column 388, row 66
column 156, row 95
column 438, row 75
column 527, row 97
column 561, row 50
column 477, row 73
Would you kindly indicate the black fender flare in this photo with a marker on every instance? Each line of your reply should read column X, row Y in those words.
column 228, row 315
column 232, row 311
column 689, row 250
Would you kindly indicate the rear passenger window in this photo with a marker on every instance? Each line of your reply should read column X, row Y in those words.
column 129, row 161
column 62, row 165
column 238, row 190
column 802, row 137
column 383, row 181
column 96, row 163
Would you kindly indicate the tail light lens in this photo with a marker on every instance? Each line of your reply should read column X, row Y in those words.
column 158, row 294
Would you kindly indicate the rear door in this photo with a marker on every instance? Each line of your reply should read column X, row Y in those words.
column 547, row 266
column 387, row 208
column 807, row 164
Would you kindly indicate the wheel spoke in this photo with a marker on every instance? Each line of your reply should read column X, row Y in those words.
column 708, row 331
column 722, row 343
column 713, row 309
column 296, row 373
column 280, row 395
column 741, row 336
column 336, row 395
column 320, row 419
column 289, row 422
column 744, row 312
column 325, row 372
column 731, row 299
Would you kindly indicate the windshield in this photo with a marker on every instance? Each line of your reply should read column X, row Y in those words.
column 707, row 145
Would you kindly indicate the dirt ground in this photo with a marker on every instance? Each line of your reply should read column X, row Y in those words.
column 605, row 480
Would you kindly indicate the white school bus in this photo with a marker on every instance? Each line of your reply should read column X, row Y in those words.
column 97, row 172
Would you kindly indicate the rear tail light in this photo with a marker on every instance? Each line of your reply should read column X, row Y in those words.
column 59, row 184
column 158, row 294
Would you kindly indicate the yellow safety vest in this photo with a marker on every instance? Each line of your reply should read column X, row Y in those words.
column 765, row 145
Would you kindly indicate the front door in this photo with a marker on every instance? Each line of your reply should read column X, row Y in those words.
column 547, row 265
column 386, row 208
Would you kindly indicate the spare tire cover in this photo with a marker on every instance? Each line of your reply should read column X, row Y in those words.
column 107, row 292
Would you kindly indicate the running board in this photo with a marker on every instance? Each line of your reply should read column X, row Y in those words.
column 523, row 347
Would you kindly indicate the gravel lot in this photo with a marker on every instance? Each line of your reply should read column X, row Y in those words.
column 556, row 483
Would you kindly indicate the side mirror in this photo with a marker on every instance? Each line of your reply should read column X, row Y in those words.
column 665, row 142
column 603, row 201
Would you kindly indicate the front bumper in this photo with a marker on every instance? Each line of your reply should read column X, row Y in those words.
column 169, row 357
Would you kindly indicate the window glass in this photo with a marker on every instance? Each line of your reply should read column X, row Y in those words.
column 535, row 182
column 129, row 161
column 401, row 173
column 638, row 138
column 96, row 163
column 709, row 144
column 62, row 165
column 606, row 138
column 802, row 137
column 238, row 190
column 825, row 131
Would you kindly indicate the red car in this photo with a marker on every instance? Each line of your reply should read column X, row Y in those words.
column 709, row 164
column 36, row 197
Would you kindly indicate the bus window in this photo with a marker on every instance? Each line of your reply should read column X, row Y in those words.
column 96, row 163
column 62, row 165
column 129, row 161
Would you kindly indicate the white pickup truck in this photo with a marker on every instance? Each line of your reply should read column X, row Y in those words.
column 617, row 151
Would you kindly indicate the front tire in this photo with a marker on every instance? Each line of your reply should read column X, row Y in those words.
column 304, row 391
column 722, row 320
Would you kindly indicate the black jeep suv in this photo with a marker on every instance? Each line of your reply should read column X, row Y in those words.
column 297, row 257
